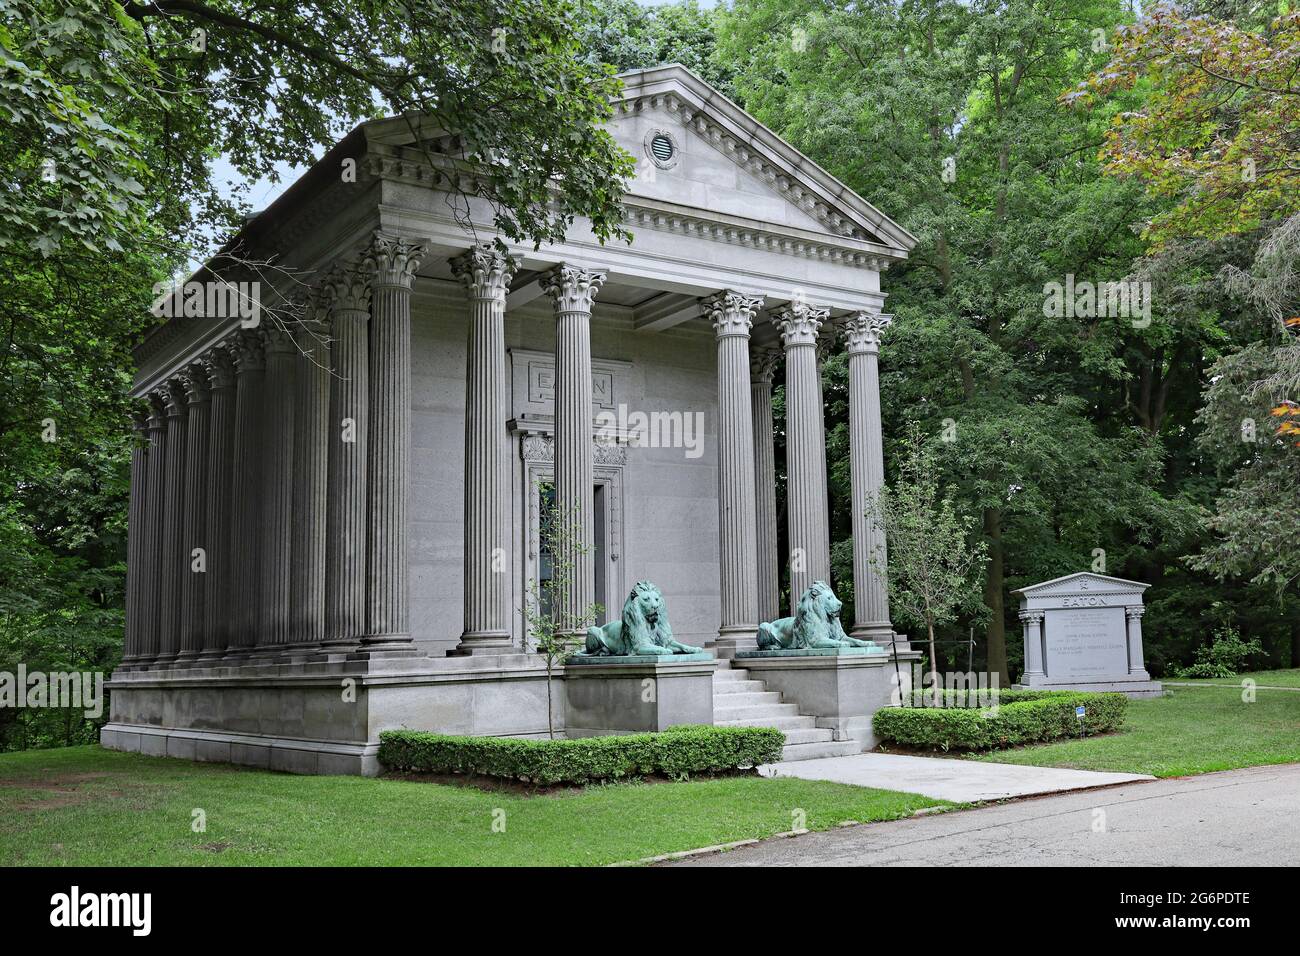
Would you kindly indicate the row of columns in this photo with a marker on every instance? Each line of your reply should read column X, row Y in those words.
column 803, row 343
column 270, row 490
column 268, row 507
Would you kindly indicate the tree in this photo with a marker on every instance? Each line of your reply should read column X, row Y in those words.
column 556, row 633
column 1216, row 127
column 945, row 114
column 934, row 567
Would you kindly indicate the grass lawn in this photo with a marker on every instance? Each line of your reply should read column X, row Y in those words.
column 1192, row 730
column 1286, row 678
column 93, row 807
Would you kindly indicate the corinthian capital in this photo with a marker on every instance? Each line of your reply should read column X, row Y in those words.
column 572, row 289
column 195, row 380
column 763, row 363
column 484, row 270
column 246, row 350
column 799, row 323
column 862, row 330
column 732, row 313
column 393, row 260
column 346, row 288
column 220, row 369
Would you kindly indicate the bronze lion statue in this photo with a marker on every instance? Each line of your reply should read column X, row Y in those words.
column 643, row 629
column 816, row 623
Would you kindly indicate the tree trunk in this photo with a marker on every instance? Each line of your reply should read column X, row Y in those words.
column 550, row 709
column 934, row 663
column 993, row 597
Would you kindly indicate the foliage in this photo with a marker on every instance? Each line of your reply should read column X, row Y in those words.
column 933, row 568
column 677, row 753
column 556, row 632
column 1007, row 725
column 1226, row 656
column 1216, row 127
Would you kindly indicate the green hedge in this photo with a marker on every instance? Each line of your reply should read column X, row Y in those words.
column 1040, row 716
column 920, row 698
column 677, row 753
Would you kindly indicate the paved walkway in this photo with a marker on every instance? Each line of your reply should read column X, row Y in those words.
column 962, row 781
column 1234, row 818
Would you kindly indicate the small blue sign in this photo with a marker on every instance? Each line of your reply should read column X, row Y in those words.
column 1080, row 711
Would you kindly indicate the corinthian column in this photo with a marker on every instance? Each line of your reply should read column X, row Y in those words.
column 862, row 332
column 732, row 315
column 345, row 294
column 218, row 606
column 311, row 475
column 175, row 562
column 135, row 544
column 152, row 570
column 809, row 520
column 277, row 495
column 485, row 273
column 245, row 534
column 574, row 291
column 762, row 368
column 194, row 580
column 393, row 261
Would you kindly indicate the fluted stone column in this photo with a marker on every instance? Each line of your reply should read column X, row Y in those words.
column 1033, row 625
column 345, row 294
column 762, row 368
column 246, row 528
column 393, row 261
column 1136, row 665
column 276, row 531
column 175, row 561
column 311, row 476
column 133, row 641
column 732, row 316
column 218, row 606
column 862, row 332
column 809, row 520
column 485, row 273
column 155, row 493
column 194, row 579
column 574, row 291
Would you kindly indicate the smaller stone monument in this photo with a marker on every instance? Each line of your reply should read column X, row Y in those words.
column 1084, row 632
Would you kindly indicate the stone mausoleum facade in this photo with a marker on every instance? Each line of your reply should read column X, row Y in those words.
column 334, row 518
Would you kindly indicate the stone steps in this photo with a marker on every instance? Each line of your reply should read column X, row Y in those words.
column 742, row 701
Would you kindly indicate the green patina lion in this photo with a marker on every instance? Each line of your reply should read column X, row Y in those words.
column 816, row 623
column 644, row 629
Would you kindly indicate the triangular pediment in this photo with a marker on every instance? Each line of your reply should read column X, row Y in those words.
column 728, row 163
column 1082, row 582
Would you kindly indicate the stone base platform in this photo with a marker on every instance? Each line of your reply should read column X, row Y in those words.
column 326, row 716
column 1133, row 689
column 841, row 687
column 812, row 652
column 638, row 693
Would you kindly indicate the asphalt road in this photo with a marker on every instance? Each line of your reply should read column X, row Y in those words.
column 1234, row 818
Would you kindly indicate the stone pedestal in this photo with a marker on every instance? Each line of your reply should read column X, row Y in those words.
column 841, row 687
column 628, row 695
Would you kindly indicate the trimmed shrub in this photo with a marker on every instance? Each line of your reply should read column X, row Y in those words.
column 1032, row 717
column 677, row 753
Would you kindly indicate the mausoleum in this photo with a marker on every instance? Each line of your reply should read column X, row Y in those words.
column 335, row 518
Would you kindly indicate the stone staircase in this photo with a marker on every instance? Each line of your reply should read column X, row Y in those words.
column 741, row 701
